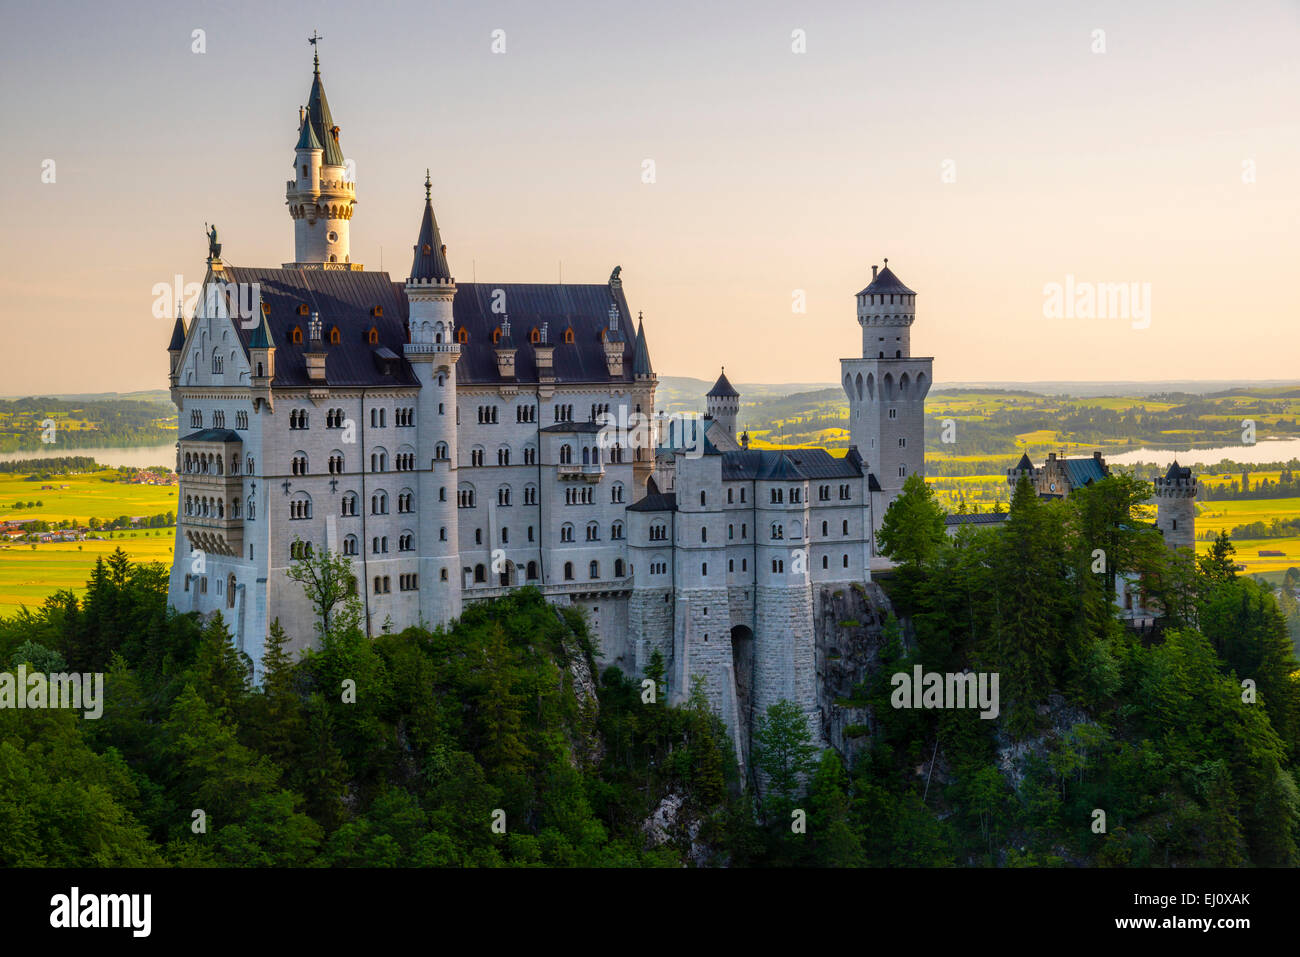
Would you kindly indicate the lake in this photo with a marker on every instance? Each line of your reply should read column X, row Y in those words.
column 1271, row 450
column 139, row 457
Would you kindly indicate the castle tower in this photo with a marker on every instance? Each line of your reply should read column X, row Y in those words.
column 887, row 388
column 643, row 374
column 1175, row 495
column 722, row 404
column 432, row 350
column 320, row 196
column 174, row 349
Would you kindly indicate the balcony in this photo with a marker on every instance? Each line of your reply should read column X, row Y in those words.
column 572, row 473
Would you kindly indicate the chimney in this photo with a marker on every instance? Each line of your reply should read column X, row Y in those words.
column 873, row 270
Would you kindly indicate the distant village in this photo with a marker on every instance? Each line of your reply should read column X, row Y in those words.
column 42, row 531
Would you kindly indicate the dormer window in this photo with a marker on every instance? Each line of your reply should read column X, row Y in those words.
column 568, row 336
column 535, row 336
column 302, row 309
column 266, row 308
column 496, row 336
column 296, row 335
column 462, row 335
column 373, row 336
column 335, row 338
column 377, row 311
column 426, row 249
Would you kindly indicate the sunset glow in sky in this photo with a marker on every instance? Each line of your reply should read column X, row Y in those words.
column 986, row 149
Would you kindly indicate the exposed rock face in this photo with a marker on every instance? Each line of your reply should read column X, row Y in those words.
column 661, row 825
column 666, row 825
column 590, row 747
column 1013, row 755
column 849, row 630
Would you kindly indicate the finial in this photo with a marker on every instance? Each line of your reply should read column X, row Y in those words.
column 428, row 185
column 315, row 52
column 886, row 262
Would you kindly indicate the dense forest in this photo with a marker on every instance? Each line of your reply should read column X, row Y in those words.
column 495, row 743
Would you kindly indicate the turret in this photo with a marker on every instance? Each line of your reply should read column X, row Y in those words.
column 433, row 349
column 261, row 355
column 886, row 309
column 320, row 197
column 1175, row 495
column 175, row 347
column 722, row 404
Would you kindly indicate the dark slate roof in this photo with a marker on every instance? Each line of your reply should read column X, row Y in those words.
column 723, row 389
column 1083, row 471
column 886, row 282
column 584, row 308
column 773, row 465
column 872, row 484
column 430, row 260
column 641, row 356
column 1175, row 472
column 655, row 500
column 318, row 114
column 982, row 518
column 344, row 298
column 178, row 335
column 1024, row 465
column 213, row 435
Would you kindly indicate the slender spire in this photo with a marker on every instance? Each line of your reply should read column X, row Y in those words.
column 430, row 260
column 641, row 355
column 307, row 135
column 318, row 115
column 178, row 332
column 262, row 335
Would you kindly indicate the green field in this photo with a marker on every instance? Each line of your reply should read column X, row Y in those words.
column 86, row 496
column 28, row 575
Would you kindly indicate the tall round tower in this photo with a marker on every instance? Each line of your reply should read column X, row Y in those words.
column 722, row 404
column 320, row 196
column 1175, row 495
column 433, row 351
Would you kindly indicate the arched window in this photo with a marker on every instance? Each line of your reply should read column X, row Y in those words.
column 594, row 569
column 618, row 568
column 296, row 335
column 568, row 571
column 335, row 338
column 462, row 335
column 568, row 336
column 372, row 336
column 535, row 336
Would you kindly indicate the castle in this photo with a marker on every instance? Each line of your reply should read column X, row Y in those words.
column 457, row 440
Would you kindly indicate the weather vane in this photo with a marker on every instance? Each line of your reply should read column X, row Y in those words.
column 315, row 55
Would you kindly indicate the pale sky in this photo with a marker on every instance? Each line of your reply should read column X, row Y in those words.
column 1171, row 158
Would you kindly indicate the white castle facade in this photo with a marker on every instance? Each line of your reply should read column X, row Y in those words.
column 453, row 440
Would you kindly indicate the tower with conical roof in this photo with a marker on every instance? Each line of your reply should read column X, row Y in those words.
column 433, row 349
column 887, row 389
column 722, row 404
column 321, row 194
